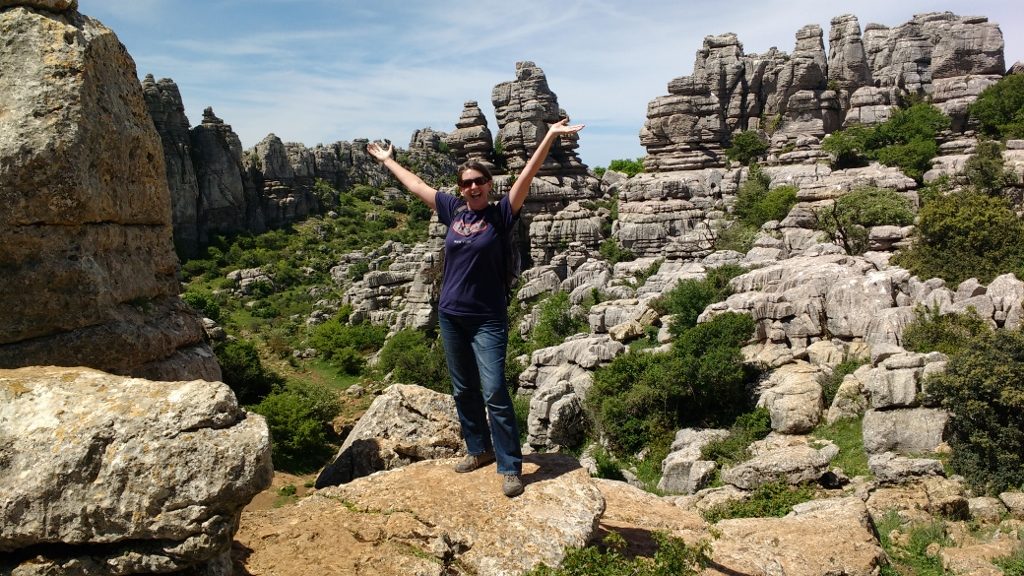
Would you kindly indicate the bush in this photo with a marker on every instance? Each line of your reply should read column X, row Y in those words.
column 688, row 299
column 947, row 333
column 748, row 428
column 642, row 397
column 983, row 389
column 847, row 220
column 773, row 500
column 673, row 558
column 999, row 109
column 849, row 147
column 413, row 359
column 628, row 167
column 613, row 253
column 965, row 235
column 555, row 322
column 243, row 371
column 746, row 147
column 986, row 170
column 299, row 416
column 203, row 302
column 830, row 382
column 756, row 204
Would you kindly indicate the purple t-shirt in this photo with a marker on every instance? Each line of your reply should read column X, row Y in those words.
column 474, row 259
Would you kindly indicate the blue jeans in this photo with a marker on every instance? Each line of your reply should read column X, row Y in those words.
column 475, row 350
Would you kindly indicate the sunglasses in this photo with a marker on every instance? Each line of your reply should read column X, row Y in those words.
column 479, row 181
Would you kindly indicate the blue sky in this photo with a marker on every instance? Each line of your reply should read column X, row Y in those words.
column 319, row 71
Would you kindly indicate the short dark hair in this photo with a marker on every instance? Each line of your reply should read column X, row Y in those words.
column 474, row 165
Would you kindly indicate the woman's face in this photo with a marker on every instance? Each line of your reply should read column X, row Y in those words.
column 475, row 188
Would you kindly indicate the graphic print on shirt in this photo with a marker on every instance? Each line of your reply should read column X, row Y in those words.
column 464, row 228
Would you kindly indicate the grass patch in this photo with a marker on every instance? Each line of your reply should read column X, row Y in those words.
column 772, row 500
column 847, row 434
column 909, row 552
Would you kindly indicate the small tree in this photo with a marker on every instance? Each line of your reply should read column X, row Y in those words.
column 746, row 147
column 986, row 170
column 627, row 166
column 847, row 220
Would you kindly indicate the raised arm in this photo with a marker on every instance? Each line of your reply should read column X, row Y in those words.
column 412, row 182
column 517, row 195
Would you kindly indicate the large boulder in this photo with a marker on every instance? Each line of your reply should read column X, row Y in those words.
column 87, row 259
column 105, row 474
column 404, row 424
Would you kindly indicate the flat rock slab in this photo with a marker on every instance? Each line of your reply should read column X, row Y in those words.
column 426, row 519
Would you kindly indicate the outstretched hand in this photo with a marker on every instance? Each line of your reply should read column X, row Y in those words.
column 563, row 127
column 379, row 153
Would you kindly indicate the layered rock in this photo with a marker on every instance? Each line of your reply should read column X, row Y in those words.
column 86, row 229
column 168, row 112
column 471, row 141
column 107, row 474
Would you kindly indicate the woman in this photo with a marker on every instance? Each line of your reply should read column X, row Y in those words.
column 472, row 310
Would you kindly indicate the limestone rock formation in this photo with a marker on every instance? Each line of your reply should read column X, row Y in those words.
column 163, row 101
column 427, row 519
column 88, row 263
column 796, row 99
column 472, row 139
column 107, row 474
column 228, row 201
column 404, row 424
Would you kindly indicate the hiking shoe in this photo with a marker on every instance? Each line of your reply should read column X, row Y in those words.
column 473, row 461
column 512, row 486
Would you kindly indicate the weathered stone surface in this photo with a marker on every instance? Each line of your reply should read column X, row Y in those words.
column 121, row 475
column 890, row 468
column 86, row 227
column 471, row 140
column 907, row 431
column 779, row 458
column 405, row 424
column 683, row 471
column 427, row 519
column 794, row 398
column 50, row 5
column 794, row 545
column 635, row 514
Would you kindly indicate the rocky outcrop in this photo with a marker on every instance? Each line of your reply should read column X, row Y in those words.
column 472, row 140
column 427, row 519
column 404, row 424
column 796, row 99
column 107, row 474
column 86, row 229
column 228, row 200
column 168, row 112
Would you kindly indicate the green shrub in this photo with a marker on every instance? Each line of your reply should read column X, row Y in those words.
column 913, row 555
column 243, row 371
column 688, row 298
column 746, row 147
column 642, row 397
column 849, row 147
column 203, row 302
column 965, row 235
column 830, row 382
column 772, row 500
column 299, row 415
column 983, row 389
column 848, row 219
column 747, row 428
column 673, row 558
column 757, row 204
column 947, row 333
column 334, row 335
column 628, row 167
column 412, row 358
column 999, row 109
column 614, row 253
column 906, row 141
column 986, row 170
column 1012, row 564
column 555, row 322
